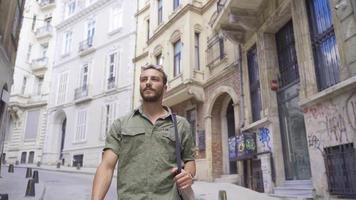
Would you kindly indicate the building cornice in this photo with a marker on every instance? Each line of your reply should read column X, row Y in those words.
column 180, row 14
column 142, row 10
column 139, row 57
column 218, row 76
column 82, row 14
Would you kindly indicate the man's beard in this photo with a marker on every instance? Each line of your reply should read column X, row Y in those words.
column 154, row 98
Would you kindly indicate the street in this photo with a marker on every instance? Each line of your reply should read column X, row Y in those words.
column 53, row 185
column 71, row 184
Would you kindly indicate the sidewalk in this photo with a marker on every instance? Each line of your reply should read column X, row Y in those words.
column 203, row 190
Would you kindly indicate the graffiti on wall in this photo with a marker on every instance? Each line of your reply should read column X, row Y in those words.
column 264, row 137
column 331, row 123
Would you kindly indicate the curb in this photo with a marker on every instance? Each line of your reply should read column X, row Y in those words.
column 58, row 170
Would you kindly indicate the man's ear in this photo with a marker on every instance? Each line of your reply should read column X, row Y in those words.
column 165, row 87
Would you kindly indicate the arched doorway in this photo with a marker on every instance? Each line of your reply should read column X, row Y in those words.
column 222, row 131
column 63, row 134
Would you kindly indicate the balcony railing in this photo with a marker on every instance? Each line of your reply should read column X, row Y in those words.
column 86, row 44
column 44, row 3
column 111, row 83
column 39, row 63
column 215, row 51
column 81, row 92
column 44, row 30
column 219, row 7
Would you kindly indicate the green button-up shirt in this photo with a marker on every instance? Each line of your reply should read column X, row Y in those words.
column 146, row 154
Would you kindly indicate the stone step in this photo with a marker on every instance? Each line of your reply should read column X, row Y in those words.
column 228, row 178
column 293, row 191
column 291, row 197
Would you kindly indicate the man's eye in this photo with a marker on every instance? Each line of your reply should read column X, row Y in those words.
column 143, row 79
column 155, row 78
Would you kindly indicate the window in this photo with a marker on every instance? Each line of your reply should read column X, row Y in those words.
column 33, row 22
column 84, row 76
column 28, row 55
column 32, row 124
column 81, row 126
column 90, row 32
column 160, row 16
column 113, row 61
column 215, row 51
column 192, row 119
column 254, row 80
column 31, row 157
column 44, row 48
column 326, row 56
column 39, row 86
column 62, row 88
column 78, row 160
column 70, row 7
column 67, row 42
column 116, row 18
column 159, row 59
column 177, row 57
column 16, row 25
column 24, row 82
column 108, row 117
column 196, row 50
column 175, row 4
column 148, row 29
column 340, row 168
column 287, row 57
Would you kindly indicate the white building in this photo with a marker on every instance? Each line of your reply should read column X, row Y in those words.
column 29, row 94
column 92, row 78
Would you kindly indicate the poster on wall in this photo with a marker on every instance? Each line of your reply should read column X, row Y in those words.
column 201, row 139
column 232, row 148
column 246, row 145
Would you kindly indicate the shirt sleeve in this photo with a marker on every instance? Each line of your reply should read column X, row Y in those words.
column 188, row 143
column 113, row 138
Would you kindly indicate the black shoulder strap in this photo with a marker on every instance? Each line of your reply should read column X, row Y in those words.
column 178, row 145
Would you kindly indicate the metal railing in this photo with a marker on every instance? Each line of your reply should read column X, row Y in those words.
column 215, row 51
column 39, row 62
column 46, row 2
column 43, row 30
column 111, row 83
column 86, row 44
column 81, row 92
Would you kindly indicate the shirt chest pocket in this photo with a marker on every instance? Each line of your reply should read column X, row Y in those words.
column 168, row 142
column 132, row 139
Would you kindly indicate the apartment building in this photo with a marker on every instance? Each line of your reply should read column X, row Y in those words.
column 92, row 78
column 203, row 77
column 10, row 25
column 298, row 69
column 29, row 95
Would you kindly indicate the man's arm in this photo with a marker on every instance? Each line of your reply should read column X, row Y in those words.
column 103, row 175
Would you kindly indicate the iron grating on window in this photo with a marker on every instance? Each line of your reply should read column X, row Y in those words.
column 340, row 164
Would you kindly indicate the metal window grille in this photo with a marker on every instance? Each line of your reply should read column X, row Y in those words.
column 175, row 4
column 215, row 51
column 326, row 56
column 254, row 79
column 340, row 164
column 287, row 57
column 160, row 17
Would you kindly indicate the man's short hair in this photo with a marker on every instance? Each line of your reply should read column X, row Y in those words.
column 158, row 68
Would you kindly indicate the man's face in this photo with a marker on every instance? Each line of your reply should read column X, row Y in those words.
column 151, row 85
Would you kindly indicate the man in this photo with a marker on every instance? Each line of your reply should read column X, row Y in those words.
column 143, row 145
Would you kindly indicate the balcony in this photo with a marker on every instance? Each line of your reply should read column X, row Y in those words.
column 86, row 47
column 81, row 94
column 111, row 83
column 44, row 32
column 46, row 4
column 39, row 66
column 237, row 18
column 215, row 52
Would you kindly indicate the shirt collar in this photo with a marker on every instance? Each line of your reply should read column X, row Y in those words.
column 139, row 110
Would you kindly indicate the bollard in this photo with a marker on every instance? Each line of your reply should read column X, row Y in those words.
column 35, row 176
column 222, row 195
column 28, row 172
column 4, row 197
column 11, row 168
column 30, row 190
column 58, row 164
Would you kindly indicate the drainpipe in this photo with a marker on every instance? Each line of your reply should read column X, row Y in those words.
column 134, row 71
column 242, row 103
